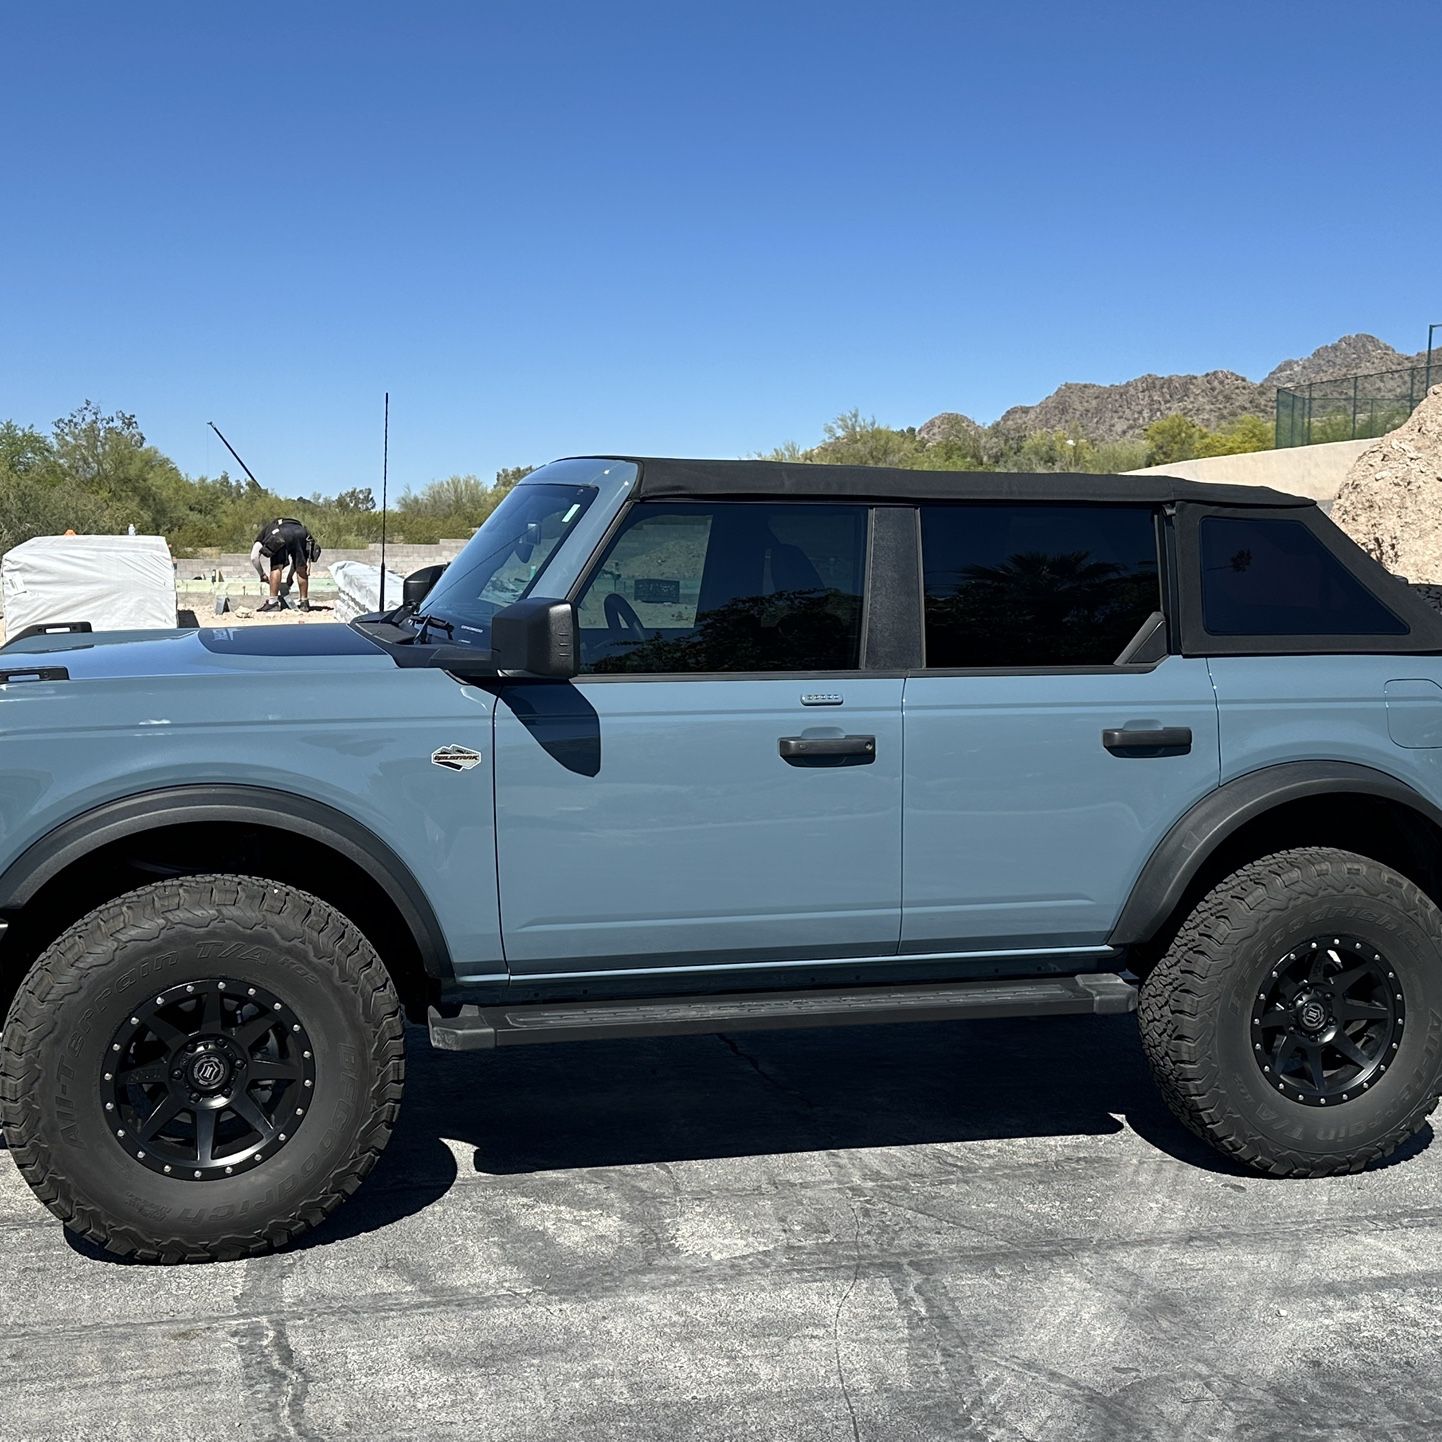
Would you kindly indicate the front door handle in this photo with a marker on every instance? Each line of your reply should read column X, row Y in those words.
column 1121, row 741
column 798, row 750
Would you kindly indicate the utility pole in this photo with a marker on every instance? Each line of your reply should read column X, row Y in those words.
column 1427, row 380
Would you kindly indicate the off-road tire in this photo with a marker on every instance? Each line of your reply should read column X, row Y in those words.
column 59, row 1030
column 1196, row 1010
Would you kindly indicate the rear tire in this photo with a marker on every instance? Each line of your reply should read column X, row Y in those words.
column 202, row 1069
column 1295, row 1022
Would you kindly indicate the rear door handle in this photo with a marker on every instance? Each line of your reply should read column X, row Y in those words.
column 800, row 749
column 1120, row 740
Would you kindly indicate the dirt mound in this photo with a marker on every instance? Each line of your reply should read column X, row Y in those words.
column 1391, row 501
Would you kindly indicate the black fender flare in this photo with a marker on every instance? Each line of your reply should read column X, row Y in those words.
column 1184, row 850
column 81, row 835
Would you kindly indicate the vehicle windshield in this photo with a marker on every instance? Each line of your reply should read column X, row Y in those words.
column 505, row 559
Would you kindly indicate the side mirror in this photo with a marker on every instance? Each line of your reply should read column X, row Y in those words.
column 536, row 637
column 419, row 584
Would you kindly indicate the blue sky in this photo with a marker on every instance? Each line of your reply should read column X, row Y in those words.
column 550, row 228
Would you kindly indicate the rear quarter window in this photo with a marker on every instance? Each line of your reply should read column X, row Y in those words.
column 1267, row 576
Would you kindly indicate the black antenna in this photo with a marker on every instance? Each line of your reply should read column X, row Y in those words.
column 385, row 480
column 233, row 452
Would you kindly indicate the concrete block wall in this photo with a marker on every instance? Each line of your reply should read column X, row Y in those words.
column 400, row 558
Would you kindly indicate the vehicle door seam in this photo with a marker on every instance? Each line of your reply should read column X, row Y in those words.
column 496, row 838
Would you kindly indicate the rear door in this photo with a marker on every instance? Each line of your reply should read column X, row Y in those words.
column 1041, row 766
column 721, row 786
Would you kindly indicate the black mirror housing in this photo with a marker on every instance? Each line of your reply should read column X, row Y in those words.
column 419, row 584
column 536, row 637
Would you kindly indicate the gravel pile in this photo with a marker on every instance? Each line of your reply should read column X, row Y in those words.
column 1391, row 501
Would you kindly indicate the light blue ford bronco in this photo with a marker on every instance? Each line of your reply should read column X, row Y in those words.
column 700, row 746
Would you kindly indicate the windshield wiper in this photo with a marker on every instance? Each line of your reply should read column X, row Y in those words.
column 428, row 621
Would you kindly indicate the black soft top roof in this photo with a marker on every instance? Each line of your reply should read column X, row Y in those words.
column 664, row 478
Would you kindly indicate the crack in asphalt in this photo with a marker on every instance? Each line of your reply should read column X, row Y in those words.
column 662, row 1274
column 263, row 1343
column 771, row 1081
column 836, row 1321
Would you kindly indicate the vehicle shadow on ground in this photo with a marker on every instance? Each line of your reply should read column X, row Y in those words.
column 599, row 1104
column 670, row 1099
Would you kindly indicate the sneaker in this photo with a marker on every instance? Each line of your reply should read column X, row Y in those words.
column 274, row 604
column 305, row 605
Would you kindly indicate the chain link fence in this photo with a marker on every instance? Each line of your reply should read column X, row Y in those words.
column 1348, row 408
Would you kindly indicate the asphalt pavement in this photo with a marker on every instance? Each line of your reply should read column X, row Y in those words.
column 987, row 1230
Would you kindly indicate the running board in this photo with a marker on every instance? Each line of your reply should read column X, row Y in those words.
column 482, row 1028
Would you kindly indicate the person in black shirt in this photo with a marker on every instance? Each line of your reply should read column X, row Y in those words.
column 286, row 542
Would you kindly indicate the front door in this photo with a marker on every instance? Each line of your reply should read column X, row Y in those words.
column 721, row 786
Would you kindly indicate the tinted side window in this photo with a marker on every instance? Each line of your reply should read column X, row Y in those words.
column 745, row 586
column 1272, row 577
column 1036, row 585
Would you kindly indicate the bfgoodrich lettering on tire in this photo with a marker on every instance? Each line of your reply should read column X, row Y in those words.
column 202, row 1069
column 1296, row 1020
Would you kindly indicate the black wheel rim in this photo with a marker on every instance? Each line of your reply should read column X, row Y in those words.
column 208, row 1079
column 1327, row 1020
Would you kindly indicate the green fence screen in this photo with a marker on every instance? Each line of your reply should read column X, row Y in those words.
column 1349, row 408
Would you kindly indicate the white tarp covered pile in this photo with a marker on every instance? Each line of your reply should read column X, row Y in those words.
column 117, row 583
column 358, row 589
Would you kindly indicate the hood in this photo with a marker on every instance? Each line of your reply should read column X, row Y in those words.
column 306, row 649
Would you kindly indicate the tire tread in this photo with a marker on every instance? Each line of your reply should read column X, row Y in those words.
column 147, row 914
column 1182, row 997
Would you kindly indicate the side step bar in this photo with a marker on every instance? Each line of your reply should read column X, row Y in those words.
column 482, row 1028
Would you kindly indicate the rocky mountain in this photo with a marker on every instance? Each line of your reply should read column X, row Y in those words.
column 1121, row 412
column 948, row 426
column 1114, row 413
column 1350, row 356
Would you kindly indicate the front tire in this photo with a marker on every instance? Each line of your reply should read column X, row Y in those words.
column 1295, row 1023
column 202, row 1069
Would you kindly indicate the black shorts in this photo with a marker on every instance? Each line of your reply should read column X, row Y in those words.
column 293, row 553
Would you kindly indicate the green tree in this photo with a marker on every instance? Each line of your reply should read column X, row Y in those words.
column 1175, row 438
column 786, row 451
column 33, row 505
column 1111, row 458
column 1246, row 433
column 455, row 495
column 856, row 440
column 24, row 450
